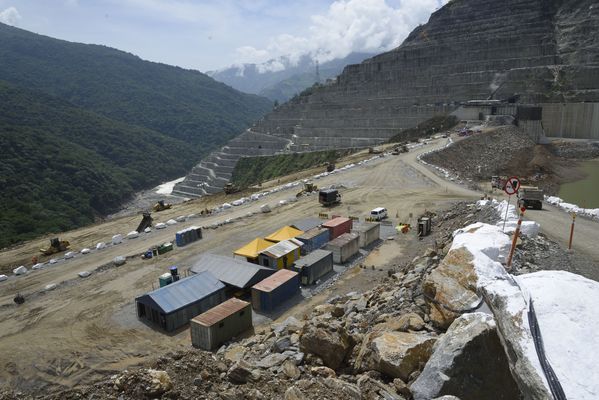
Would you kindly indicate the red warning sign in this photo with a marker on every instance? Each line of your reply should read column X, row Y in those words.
column 512, row 185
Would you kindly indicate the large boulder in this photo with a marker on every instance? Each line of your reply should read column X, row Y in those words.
column 331, row 344
column 468, row 362
column 451, row 287
column 396, row 354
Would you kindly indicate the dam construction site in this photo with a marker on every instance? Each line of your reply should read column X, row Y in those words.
column 417, row 251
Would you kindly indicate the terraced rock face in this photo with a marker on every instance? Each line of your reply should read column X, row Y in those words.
column 542, row 51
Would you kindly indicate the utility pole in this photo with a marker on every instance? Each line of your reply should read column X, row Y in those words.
column 317, row 72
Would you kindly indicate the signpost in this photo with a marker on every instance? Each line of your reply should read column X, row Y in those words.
column 515, row 239
column 511, row 187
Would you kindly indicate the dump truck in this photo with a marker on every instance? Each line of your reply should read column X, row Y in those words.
column 146, row 222
column 530, row 197
column 329, row 197
column 56, row 246
column 161, row 206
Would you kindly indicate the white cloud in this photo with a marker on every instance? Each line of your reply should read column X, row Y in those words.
column 348, row 26
column 10, row 16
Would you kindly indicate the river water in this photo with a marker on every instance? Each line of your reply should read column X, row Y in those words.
column 584, row 193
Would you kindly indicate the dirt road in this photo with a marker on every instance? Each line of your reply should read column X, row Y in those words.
column 66, row 336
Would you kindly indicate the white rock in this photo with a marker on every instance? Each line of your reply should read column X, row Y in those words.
column 180, row 218
column 132, row 235
column 282, row 202
column 148, row 230
column 69, row 254
column 171, row 222
column 100, row 246
column 53, row 261
column 84, row 274
column 50, row 286
column 191, row 216
column 19, row 270
column 119, row 260
column 237, row 203
column 3, row 278
column 38, row 266
column 116, row 239
column 160, row 225
column 226, row 206
column 265, row 208
column 85, row 250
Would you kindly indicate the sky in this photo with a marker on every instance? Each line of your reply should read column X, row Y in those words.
column 213, row 34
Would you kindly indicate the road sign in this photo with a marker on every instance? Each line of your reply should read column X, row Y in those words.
column 512, row 185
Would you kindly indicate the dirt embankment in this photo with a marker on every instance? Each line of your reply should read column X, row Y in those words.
column 509, row 151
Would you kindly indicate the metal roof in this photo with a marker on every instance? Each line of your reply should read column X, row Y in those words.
column 182, row 293
column 220, row 312
column 231, row 271
column 312, row 258
column 286, row 232
column 344, row 239
column 275, row 280
column 307, row 223
column 335, row 222
column 282, row 248
column 253, row 248
column 312, row 233
column 364, row 226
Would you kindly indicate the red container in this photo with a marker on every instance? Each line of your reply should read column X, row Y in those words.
column 338, row 226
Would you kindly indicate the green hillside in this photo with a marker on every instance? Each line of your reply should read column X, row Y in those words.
column 181, row 103
column 62, row 166
column 83, row 127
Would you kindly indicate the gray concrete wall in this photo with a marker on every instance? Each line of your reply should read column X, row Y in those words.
column 571, row 120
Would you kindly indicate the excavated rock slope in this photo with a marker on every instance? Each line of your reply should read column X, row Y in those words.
column 540, row 50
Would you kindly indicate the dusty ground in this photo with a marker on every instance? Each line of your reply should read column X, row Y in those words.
column 88, row 326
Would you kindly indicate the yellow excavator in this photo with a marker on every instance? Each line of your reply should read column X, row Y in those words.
column 308, row 188
column 161, row 206
column 56, row 246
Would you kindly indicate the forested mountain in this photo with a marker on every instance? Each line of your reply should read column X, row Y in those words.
column 280, row 79
column 82, row 127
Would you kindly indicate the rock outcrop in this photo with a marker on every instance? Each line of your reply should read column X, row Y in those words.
column 533, row 50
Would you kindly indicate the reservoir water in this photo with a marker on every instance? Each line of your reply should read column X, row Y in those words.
column 585, row 192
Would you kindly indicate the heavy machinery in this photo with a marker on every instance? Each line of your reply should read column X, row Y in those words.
column 309, row 187
column 161, row 206
column 329, row 197
column 401, row 148
column 146, row 222
column 330, row 167
column 56, row 246
column 530, row 197
column 230, row 188
column 374, row 150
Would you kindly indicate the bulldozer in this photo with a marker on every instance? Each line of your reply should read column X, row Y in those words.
column 161, row 206
column 56, row 246
column 230, row 188
column 146, row 222
column 309, row 187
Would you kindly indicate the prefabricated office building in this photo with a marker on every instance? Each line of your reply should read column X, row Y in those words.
column 173, row 306
column 344, row 247
column 219, row 324
column 369, row 232
column 314, row 266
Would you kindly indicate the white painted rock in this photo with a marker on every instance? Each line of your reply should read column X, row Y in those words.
column 69, row 254
column 53, row 261
column 3, row 278
column 100, row 246
column 148, row 230
column 20, row 270
column 119, row 260
column 85, row 251
column 84, row 274
column 180, row 218
column 50, row 286
column 265, row 208
column 38, row 266
column 160, row 225
column 226, row 206
column 132, row 235
column 116, row 239
column 171, row 222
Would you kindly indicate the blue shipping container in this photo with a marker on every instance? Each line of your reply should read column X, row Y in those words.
column 314, row 239
column 268, row 300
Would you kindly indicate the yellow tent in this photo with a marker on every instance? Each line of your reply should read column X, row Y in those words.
column 253, row 248
column 286, row 232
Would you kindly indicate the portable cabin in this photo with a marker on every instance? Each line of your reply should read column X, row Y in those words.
column 188, row 235
column 338, row 226
column 235, row 274
column 285, row 233
column 252, row 250
column 314, row 239
column 307, row 224
column 281, row 255
column 275, row 290
column 221, row 323
column 344, row 247
column 173, row 306
column 368, row 232
column 314, row 266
